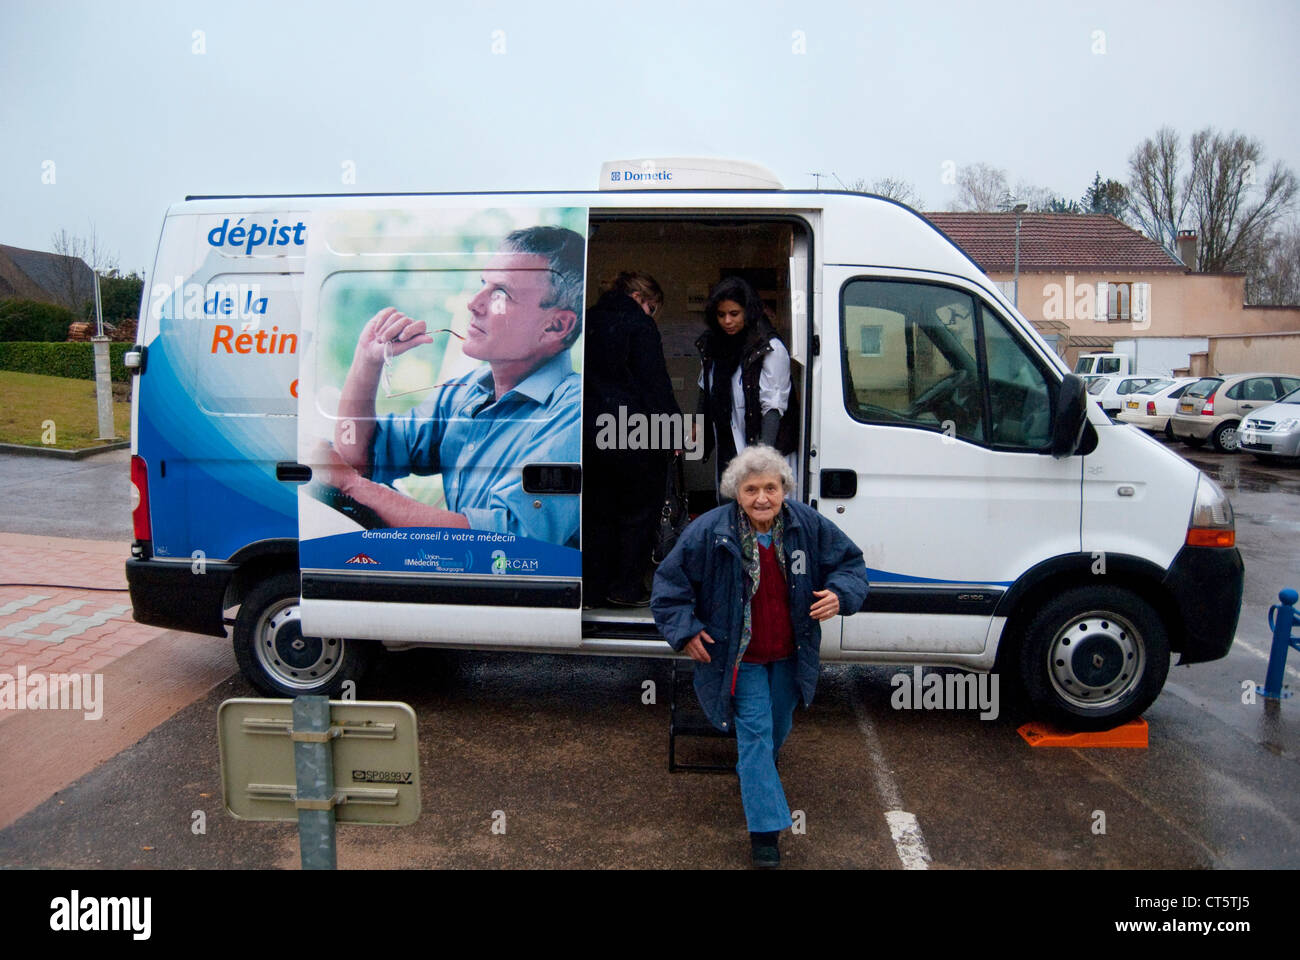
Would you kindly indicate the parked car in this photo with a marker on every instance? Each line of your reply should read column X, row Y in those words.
column 1273, row 432
column 1109, row 392
column 1212, row 407
column 1152, row 406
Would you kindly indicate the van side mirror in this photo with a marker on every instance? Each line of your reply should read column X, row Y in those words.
column 1071, row 416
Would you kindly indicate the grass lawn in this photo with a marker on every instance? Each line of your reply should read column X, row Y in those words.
column 28, row 400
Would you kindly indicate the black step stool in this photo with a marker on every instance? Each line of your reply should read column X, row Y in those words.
column 686, row 718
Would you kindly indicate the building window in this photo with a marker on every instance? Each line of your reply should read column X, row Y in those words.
column 1119, row 296
column 871, row 340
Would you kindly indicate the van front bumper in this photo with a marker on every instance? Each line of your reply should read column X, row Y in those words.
column 1206, row 584
column 175, row 596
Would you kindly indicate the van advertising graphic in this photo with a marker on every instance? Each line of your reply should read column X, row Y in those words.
column 218, row 406
column 444, row 348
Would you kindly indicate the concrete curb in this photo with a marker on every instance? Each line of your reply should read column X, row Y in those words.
column 25, row 451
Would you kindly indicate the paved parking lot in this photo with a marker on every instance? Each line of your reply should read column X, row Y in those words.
column 566, row 754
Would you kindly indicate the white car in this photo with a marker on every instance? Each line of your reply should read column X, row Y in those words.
column 1152, row 406
column 1274, row 432
column 1109, row 393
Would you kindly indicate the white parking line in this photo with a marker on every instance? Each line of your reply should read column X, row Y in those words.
column 1238, row 642
column 903, row 826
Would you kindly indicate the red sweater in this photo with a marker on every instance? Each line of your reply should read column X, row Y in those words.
column 771, row 636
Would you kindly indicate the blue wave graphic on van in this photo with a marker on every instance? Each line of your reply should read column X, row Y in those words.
column 212, row 484
column 885, row 576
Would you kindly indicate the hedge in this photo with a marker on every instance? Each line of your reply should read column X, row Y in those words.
column 31, row 320
column 62, row 359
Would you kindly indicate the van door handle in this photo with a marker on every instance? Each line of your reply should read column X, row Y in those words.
column 291, row 472
column 552, row 478
column 839, row 484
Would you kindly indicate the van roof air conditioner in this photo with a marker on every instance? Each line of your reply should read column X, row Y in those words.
column 686, row 173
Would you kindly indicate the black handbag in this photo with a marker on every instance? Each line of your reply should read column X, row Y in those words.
column 674, row 515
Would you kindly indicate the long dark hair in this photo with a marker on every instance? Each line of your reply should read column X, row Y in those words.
column 737, row 290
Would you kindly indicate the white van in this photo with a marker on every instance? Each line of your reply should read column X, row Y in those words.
column 302, row 472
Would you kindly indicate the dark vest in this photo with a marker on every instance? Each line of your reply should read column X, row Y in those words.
column 751, row 367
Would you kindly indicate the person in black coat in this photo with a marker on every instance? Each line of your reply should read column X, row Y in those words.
column 624, row 376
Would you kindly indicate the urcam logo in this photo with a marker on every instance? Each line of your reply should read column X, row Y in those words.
column 256, row 235
column 503, row 564
column 362, row 558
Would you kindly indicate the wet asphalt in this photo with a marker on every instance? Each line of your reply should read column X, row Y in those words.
column 565, row 748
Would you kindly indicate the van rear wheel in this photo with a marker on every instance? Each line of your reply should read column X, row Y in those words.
column 278, row 660
column 1094, row 657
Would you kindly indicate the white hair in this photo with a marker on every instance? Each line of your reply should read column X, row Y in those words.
column 753, row 461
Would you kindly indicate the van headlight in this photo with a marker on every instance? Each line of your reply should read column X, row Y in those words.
column 1212, row 523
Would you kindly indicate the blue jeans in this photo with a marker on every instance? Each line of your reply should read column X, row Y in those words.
column 766, row 695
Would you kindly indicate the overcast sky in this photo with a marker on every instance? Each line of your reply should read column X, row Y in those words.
column 139, row 103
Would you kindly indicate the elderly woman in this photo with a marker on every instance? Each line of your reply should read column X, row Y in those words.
column 742, row 593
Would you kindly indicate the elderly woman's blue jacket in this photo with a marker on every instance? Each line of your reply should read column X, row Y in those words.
column 700, row 586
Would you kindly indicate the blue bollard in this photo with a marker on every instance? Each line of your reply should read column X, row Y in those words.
column 1282, row 618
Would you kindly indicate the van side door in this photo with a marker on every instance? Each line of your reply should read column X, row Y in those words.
column 441, row 419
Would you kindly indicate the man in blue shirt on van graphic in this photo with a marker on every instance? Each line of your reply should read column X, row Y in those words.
column 522, row 406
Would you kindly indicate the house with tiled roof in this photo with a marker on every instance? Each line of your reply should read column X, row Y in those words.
column 47, row 277
column 1088, row 280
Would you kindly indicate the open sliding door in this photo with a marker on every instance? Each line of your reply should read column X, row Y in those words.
column 441, row 418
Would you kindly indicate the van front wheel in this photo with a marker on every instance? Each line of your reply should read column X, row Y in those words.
column 278, row 660
column 1094, row 657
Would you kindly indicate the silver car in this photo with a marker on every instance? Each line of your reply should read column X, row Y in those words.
column 1214, row 406
column 1273, row 432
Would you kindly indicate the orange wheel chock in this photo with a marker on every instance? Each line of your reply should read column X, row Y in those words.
column 1131, row 734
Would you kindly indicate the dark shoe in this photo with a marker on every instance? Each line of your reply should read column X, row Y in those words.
column 766, row 854
column 620, row 600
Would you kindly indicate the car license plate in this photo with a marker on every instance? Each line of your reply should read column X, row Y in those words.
column 1186, row 406
column 1132, row 405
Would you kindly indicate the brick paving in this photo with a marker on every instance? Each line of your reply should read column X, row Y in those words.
column 61, row 626
column 56, row 625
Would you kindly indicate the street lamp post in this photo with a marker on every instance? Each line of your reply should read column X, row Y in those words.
column 1018, row 209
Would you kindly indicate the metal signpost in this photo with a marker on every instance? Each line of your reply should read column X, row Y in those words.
column 369, row 746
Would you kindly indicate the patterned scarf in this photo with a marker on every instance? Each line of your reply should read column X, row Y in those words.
column 750, row 559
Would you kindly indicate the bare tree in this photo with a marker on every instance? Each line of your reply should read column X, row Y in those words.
column 1273, row 268
column 74, row 285
column 1232, row 217
column 896, row 188
column 981, row 188
column 1039, row 199
column 1157, row 197
column 1224, row 194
